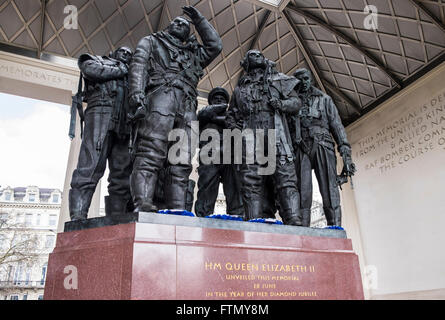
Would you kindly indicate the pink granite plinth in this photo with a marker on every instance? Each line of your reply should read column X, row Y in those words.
column 154, row 261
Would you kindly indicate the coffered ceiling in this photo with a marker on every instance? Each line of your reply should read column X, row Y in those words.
column 359, row 66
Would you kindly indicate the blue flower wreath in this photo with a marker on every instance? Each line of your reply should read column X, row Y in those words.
column 268, row 221
column 225, row 217
column 177, row 212
column 334, row 228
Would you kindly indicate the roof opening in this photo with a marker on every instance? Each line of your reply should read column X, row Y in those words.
column 274, row 5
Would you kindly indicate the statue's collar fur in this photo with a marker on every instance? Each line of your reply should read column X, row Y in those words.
column 313, row 91
column 190, row 44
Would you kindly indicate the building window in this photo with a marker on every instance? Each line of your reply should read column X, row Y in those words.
column 14, row 297
column 40, row 297
column 52, row 220
column 32, row 197
column 2, row 241
column 7, row 196
column 56, row 198
column 38, row 219
column 20, row 218
column 15, row 240
column 28, row 219
column 25, row 296
column 42, row 280
column 28, row 277
column 49, row 241
column 25, row 240
column 10, row 273
column 18, row 275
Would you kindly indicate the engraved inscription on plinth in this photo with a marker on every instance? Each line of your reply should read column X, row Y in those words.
column 265, row 280
column 248, row 265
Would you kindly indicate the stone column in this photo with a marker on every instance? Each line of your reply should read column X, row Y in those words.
column 351, row 224
column 71, row 166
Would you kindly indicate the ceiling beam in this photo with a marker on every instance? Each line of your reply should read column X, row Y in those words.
column 164, row 8
column 18, row 49
column 347, row 39
column 42, row 27
column 427, row 12
column 261, row 28
column 343, row 96
column 299, row 39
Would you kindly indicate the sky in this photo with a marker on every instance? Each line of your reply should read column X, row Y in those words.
column 34, row 142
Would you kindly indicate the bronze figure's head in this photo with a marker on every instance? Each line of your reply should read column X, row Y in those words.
column 305, row 76
column 254, row 59
column 123, row 54
column 218, row 96
column 179, row 28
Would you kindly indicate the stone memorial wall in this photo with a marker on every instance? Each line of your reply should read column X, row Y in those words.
column 399, row 150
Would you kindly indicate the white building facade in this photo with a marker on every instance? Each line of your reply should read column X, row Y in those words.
column 29, row 218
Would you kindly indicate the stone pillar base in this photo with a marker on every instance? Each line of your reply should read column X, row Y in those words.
column 170, row 257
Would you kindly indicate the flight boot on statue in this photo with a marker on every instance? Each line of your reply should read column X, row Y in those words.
column 337, row 216
column 333, row 216
column 143, row 186
column 289, row 206
column 116, row 206
column 176, row 194
column 79, row 202
column 253, row 209
column 305, row 217
column 176, row 186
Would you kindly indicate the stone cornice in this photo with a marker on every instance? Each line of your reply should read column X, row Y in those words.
column 25, row 205
column 32, row 70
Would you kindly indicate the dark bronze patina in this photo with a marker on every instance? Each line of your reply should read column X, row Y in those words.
column 263, row 99
column 316, row 129
column 164, row 74
column 106, row 134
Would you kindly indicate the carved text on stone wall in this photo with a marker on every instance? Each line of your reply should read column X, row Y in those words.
column 416, row 133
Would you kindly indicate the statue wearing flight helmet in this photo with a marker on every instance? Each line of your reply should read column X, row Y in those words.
column 164, row 74
column 212, row 174
column 316, row 129
column 263, row 100
column 106, row 134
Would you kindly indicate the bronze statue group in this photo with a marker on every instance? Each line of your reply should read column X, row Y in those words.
column 135, row 100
